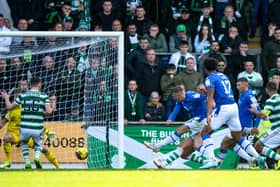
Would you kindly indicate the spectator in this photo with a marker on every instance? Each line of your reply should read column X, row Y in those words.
column 268, row 35
column 135, row 59
column 5, row 10
column 167, row 82
column 68, row 85
column 82, row 57
column 213, row 53
column 176, row 38
column 179, row 58
column 159, row 13
column 231, row 41
column 238, row 58
column 65, row 14
column 203, row 40
column 131, row 38
column 54, row 116
column 219, row 8
column 142, row 23
column 189, row 77
column 8, row 24
column 275, row 70
column 149, row 75
column 133, row 107
column 59, row 27
column 221, row 67
column 101, row 101
column 116, row 25
column 186, row 20
column 81, row 9
column 18, row 71
column 255, row 79
column 47, row 72
column 68, row 23
column 197, row 7
column 131, row 9
column 107, row 16
column 156, row 39
column 270, row 53
column 205, row 18
column 5, row 42
column 154, row 109
column 229, row 20
column 32, row 11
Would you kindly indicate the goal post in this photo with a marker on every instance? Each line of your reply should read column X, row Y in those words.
column 37, row 47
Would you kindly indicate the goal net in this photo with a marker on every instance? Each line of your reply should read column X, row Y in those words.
column 82, row 73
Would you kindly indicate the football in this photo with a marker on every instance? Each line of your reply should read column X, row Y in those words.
column 81, row 153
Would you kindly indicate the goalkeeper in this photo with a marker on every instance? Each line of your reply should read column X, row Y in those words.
column 12, row 136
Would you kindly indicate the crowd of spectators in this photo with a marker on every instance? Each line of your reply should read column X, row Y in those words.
column 166, row 42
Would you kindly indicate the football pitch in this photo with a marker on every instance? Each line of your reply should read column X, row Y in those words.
column 141, row 178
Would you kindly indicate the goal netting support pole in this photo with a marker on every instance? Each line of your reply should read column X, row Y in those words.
column 83, row 75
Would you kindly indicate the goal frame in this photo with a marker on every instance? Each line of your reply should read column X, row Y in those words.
column 120, row 36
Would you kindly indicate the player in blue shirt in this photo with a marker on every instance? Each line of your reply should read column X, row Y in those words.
column 195, row 104
column 219, row 92
column 246, row 101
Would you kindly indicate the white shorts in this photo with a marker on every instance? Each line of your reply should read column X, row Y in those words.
column 36, row 135
column 271, row 139
column 227, row 115
column 195, row 125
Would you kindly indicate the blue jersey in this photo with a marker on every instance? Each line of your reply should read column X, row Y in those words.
column 223, row 93
column 194, row 103
column 246, row 101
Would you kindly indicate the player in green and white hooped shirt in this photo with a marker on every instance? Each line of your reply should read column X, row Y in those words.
column 271, row 139
column 35, row 105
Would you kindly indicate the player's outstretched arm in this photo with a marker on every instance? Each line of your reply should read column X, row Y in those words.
column 6, row 97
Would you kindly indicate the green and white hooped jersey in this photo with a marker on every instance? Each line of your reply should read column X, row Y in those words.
column 32, row 111
column 273, row 105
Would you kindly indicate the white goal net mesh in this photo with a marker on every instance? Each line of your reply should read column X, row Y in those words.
column 80, row 76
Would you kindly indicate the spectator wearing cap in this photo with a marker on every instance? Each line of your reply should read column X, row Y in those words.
column 83, row 26
column 176, row 38
column 186, row 20
column 68, row 23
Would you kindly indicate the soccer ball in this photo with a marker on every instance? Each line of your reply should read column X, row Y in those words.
column 81, row 153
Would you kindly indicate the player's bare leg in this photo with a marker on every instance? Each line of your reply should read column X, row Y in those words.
column 170, row 139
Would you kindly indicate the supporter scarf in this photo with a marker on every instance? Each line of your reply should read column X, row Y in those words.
column 201, row 19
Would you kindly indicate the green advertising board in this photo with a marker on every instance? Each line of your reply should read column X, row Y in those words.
column 103, row 151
